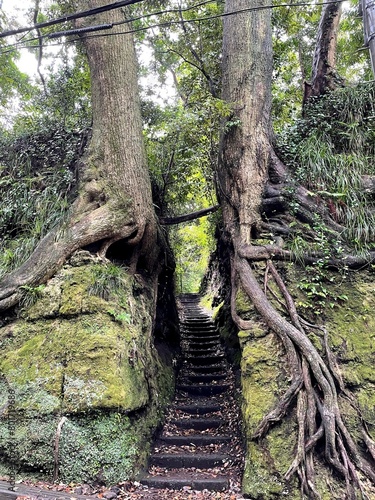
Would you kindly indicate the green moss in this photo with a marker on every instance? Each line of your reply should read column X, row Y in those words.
column 257, row 482
column 216, row 310
column 260, row 367
column 97, row 358
column 244, row 306
column 262, row 480
column 103, row 446
column 262, row 384
column 281, row 449
column 352, row 333
column 366, row 400
column 91, row 360
column 206, row 301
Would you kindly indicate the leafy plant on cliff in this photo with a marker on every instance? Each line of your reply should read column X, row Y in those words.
column 331, row 149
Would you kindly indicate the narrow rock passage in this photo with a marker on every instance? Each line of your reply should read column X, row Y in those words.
column 199, row 446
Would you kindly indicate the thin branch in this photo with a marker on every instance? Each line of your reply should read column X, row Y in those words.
column 40, row 47
column 195, row 54
column 167, row 221
column 56, row 448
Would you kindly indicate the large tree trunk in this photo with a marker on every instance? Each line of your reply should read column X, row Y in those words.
column 246, row 153
column 245, row 144
column 324, row 62
column 114, row 201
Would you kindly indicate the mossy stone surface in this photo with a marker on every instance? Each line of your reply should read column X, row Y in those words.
column 351, row 330
column 76, row 355
column 263, row 381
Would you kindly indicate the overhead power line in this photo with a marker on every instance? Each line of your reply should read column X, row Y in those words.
column 215, row 16
column 16, row 46
column 71, row 17
column 80, row 31
column 123, row 3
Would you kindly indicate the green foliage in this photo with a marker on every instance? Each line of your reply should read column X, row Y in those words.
column 38, row 158
column 316, row 284
column 38, row 154
column 13, row 83
column 66, row 103
column 37, row 182
column 294, row 39
column 330, row 149
column 108, row 280
column 182, row 138
column 294, row 32
column 353, row 61
column 182, row 141
column 182, row 148
column 192, row 244
column 122, row 317
column 30, row 294
column 317, row 280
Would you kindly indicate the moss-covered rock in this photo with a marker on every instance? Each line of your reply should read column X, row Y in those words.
column 263, row 381
column 84, row 351
column 264, row 377
column 351, row 330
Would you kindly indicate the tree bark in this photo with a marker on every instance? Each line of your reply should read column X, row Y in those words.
column 245, row 144
column 324, row 62
column 245, row 156
column 114, row 200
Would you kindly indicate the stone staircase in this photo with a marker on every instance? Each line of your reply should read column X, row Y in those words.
column 199, row 446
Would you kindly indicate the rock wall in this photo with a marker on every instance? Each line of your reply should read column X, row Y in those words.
column 82, row 359
column 350, row 322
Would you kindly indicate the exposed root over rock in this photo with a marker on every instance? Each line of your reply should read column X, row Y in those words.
column 315, row 386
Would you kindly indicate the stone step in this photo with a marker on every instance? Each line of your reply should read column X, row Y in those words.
column 198, row 408
column 198, row 339
column 209, row 377
column 204, row 360
column 218, row 368
column 203, row 348
column 201, row 323
column 203, row 390
column 186, row 460
column 199, row 329
column 217, row 351
column 199, row 333
column 193, row 439
column 208, row 344
column 176, row 482
column 194, row 322
column 199, row 424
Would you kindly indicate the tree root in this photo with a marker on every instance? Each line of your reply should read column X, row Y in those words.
column 266, row 252
column 102, row 224
column 315, row 383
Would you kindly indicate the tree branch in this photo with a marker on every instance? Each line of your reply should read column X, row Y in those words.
column 40, row 47
column 168, row 221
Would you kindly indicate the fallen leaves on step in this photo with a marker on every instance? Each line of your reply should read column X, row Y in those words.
column 127, row 490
